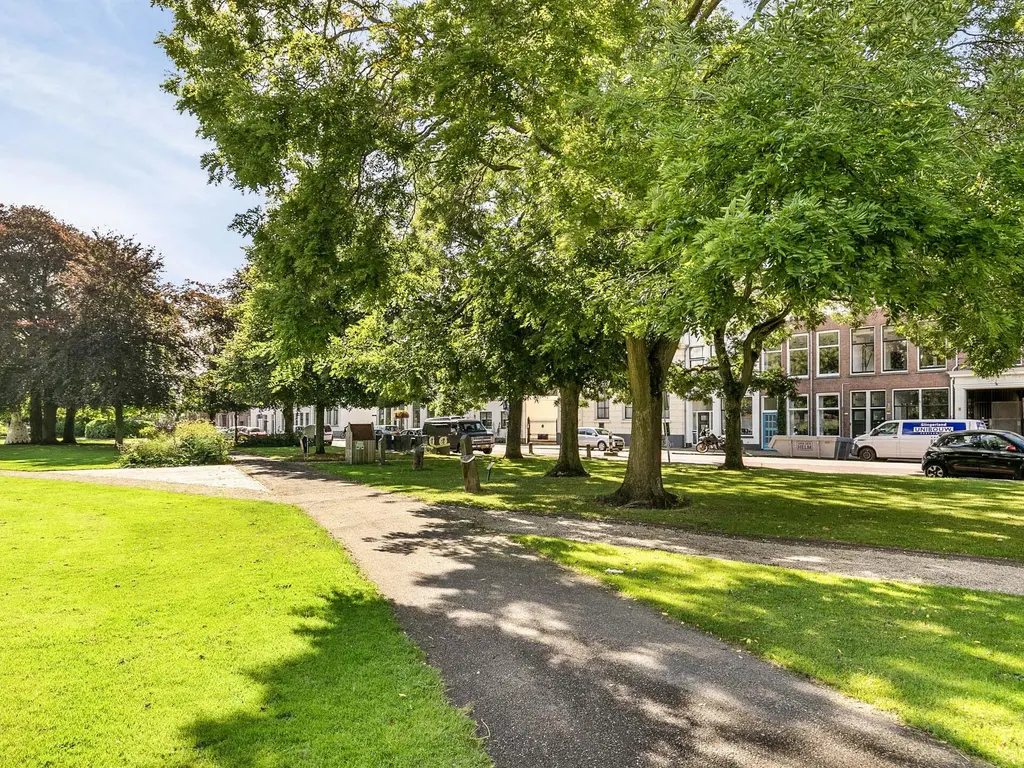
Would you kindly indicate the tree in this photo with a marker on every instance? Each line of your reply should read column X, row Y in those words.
column 124, row 329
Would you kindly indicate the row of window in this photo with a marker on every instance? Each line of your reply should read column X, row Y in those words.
column 867, row 410
column 895, row 353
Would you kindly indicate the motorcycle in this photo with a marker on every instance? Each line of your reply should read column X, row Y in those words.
column 710, row 442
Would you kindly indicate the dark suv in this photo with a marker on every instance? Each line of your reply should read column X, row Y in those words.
column 449, row 430
column 979, row 452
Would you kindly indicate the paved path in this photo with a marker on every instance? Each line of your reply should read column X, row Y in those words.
column 986, row 574
column 562, row 673
column 226, row 480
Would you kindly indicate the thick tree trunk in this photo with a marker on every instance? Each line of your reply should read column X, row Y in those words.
column 35, row 417
column 69, row 425
column 119, row 425
column 288, row 413
column 733, row 407
column 514, row 438
column 648, row 363
column 320, row 447
column 569, row 464
column 49, row 423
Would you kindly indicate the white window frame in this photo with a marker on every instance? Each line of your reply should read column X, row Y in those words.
column 606, row 404
column 790, row 410
column 818, row 409
column 867, row 408
column 920, row 402
column 885, row 357
column 789, row 355
column 764, row 357
column 920, row 367
column 895, row 415
column 627, row 412
column 874, row 351
column 837, row 347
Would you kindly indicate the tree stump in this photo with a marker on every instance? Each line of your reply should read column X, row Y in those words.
column 417, row 456
column 470, row 474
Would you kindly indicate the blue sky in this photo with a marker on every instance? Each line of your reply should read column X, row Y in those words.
column 86, row 132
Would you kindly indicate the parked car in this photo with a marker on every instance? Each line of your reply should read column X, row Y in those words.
column 449, row 430
column 979, row 453
column 386, row 429
column 907, row 439
column 310, row 432
column 599, row 438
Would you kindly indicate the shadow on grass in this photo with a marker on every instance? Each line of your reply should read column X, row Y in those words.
column 357, row 695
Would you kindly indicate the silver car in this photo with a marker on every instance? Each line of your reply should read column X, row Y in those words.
column 599, row 438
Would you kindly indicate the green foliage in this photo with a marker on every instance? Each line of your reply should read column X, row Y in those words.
column 193, row 443
column 103, row 429
column 287, row 440
column 153, row 628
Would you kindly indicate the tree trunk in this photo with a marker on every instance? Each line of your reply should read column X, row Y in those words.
column 514, row 438
column 569, row 464
column 648, row 363
column 733, row 407
column 35, row 417
column 320, row 448
column 288, row 414
column 49, row 423
column 119, row 425
column 69, row 425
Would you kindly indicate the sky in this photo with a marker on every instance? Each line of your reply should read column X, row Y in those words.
column 86, row 132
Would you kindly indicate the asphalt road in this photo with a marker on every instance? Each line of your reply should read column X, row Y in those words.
column 559, row 672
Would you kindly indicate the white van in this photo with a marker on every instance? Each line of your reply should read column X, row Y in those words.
column 906, row 439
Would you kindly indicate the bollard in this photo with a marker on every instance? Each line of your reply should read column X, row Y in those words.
column 470, row 474
column 417, row 456
column 588, row 452
column 529, row 447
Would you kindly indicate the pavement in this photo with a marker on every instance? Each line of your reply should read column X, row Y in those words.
column 762, row 461
column 559, row 672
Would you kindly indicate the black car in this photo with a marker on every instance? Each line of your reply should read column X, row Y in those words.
column 978, row 453
column 449, row 430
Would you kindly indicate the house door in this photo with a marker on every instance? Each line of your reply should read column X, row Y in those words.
column 701, row 423
column 769, row 427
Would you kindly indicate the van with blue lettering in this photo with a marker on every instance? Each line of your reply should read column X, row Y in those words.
column 907, row 439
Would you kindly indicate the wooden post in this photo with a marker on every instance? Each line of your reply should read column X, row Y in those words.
column 382, row 454
column 417, row 457
column 470, row 474
column 529, row 447
column 588, row 452
column 466, row 445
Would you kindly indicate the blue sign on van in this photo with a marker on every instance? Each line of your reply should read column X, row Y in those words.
column 932, row 427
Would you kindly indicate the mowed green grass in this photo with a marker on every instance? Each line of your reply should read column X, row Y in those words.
column 290, row 453
column 40, row 458
column 144, row 628
column 948, row 661
column 974, row 517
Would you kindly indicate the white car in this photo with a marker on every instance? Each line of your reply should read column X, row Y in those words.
column 599, row 438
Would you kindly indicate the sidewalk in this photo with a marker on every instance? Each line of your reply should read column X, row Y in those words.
column 561, row 673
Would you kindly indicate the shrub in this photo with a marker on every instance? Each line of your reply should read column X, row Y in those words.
column 284, row 440
column 103, row 429
column 193, row 443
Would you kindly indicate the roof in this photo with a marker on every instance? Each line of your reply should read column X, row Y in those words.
column 360, row 431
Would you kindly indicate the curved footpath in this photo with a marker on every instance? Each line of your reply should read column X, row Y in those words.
column 562, row 673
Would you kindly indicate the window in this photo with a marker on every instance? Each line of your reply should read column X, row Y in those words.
column 828, row 353
column 828, row 415
column 889, row 428
column 935, row 403
column 992, row 443
column 697, row 355
column 487, row 419
column 798, row 355
column 862, row 350
column 770, row 404
column 417, row 416
column 627, row 412
column 798, row 416
column 927, row 359
column 906, row 404
column 603, row 409
column 894, row 352
column 867, row 411
column 772, row 359
column 665, row 409
column 747, row 417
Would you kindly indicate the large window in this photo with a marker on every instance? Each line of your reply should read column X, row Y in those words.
column 627, row 411
column 867, row 411
column 894, row 352
column 504, row 420
column 828, row 415
column 862, row 350
column 798, row 416
column 828, row 353
column 926, row 359
column 906, row 404
column 935, row 403
column 487, row 419
column 417, row 415
column 772, row 359
column 747, row 417
column 604, row 409
column 698, row 355
column 665, row 407
column 798, row 355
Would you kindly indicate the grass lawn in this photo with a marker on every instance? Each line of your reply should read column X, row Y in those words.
column 946, row 660
column 975, row 517
column 145, row 628
column 92, row 454
column 289, row 453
